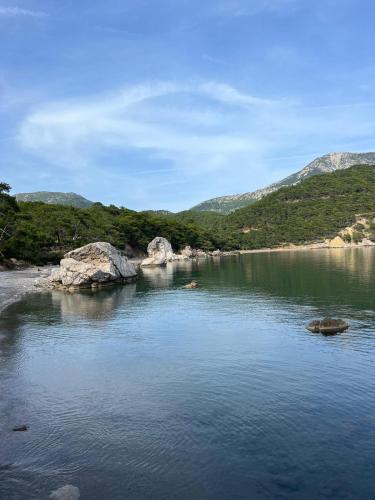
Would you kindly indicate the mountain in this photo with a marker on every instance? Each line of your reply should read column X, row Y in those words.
column 324, row 164
column 320, row 207
column 56, row 198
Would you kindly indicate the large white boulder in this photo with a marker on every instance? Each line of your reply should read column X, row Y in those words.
column 91, row 265
column 159, row 252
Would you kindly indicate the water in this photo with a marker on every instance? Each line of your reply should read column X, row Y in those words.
column 150, row 391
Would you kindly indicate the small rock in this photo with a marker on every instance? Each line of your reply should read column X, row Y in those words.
column 327, row 326
column 192, row 284
column 20, row 428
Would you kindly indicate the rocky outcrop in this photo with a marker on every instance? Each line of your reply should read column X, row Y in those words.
column 159, row 253
column 92, row 265
column 336, row 242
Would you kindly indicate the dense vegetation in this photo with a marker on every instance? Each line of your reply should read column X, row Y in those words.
column 315, row 209
column 42, row 232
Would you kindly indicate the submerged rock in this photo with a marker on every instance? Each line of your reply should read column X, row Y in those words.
column 67, row 492
column 91, row 265
column 328, row 326
column 159, row 252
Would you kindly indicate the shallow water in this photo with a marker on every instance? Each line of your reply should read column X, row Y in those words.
column 150, row 391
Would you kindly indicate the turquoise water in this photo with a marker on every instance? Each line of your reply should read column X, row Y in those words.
column 151, row 391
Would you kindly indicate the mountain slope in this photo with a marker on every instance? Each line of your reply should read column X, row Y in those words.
column 56, row 198
column 315, row 209
column 325, row 164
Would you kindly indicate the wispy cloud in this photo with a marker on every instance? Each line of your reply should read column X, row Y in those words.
column 182, row 123
column 172, row 132
column 17, row 11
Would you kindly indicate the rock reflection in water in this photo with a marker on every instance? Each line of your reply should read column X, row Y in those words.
column 163, row 277
column 93, row 304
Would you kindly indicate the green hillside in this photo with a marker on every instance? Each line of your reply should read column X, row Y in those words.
column 317, row 208
column 322, row 165
column 40, row 232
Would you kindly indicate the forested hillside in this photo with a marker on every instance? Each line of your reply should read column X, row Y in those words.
column 317, row 208
column 322, row 165
column 40, row 232
column 313, row 210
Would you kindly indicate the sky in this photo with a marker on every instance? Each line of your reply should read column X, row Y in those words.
column 161, row 104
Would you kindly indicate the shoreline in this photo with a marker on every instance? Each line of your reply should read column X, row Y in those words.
column 16, row 284
column 301, row 248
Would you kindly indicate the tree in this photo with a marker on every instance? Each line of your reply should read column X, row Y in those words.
column 8, row 210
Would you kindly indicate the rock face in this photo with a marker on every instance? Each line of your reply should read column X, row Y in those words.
column 159, row 252
column 327, row 326
column 92, row 265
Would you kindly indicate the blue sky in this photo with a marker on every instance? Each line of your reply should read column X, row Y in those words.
column 166, row 103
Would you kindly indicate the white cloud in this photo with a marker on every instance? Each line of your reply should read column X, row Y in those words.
column 205, row 134
column 186, row 124
column 17, row 11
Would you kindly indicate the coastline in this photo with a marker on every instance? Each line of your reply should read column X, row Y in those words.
column 301, row 248
column 15, row 284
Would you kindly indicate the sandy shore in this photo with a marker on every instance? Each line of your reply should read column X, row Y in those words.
column 15, row 284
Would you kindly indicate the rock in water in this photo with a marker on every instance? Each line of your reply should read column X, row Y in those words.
column 327, row 326
column 192, row 284
column 67, row 492
column 20, row 428
column 159, row 252
column 91, row 265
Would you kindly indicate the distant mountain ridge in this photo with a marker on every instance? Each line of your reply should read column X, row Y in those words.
column 56, row 198
column 324, row 164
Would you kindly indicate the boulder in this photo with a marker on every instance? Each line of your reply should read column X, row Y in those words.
column 91, row 265
column 159, row 252
column 327, row 326
column 217, row 253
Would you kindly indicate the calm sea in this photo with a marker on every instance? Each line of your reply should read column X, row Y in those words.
column 151, row 391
